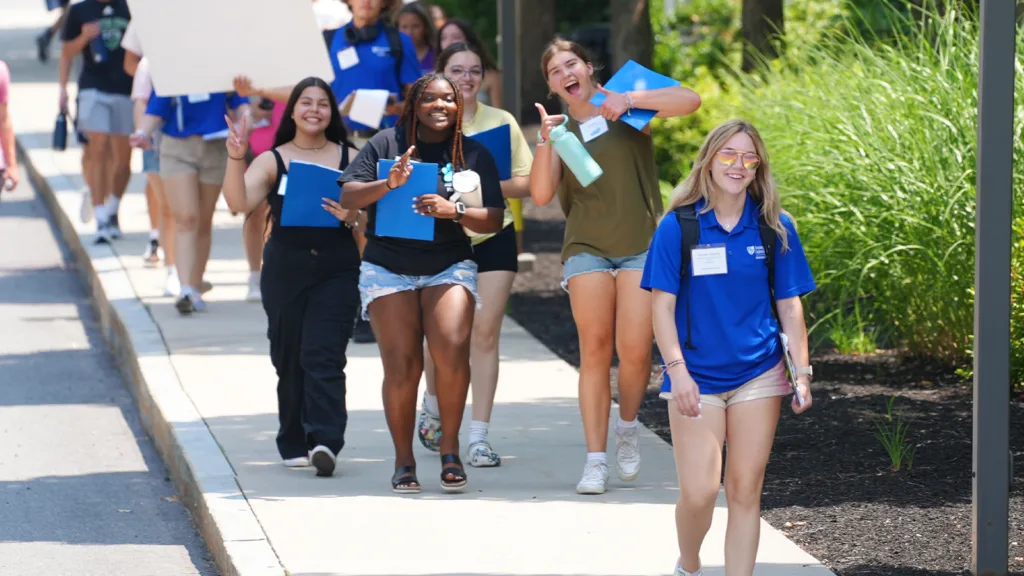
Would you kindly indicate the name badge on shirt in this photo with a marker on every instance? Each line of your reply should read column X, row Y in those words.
column 283, row 186
column 709, row 260
column 348, row 58
column 197, row 98
column 593, row 128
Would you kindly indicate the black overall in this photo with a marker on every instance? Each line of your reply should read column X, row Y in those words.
column 310, row 286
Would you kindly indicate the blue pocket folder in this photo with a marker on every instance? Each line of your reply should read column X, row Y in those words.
column 498, row 142
column 302, row 204
column 395, row 216
column 633, row 76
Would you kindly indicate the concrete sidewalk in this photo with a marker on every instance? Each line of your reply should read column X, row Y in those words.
column 207, row 389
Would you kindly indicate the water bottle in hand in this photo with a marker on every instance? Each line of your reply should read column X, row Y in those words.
column 575, row 155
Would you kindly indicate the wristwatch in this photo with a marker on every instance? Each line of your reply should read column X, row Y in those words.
column 460, row 210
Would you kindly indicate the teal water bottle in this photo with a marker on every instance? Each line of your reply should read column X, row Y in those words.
column 575, row 156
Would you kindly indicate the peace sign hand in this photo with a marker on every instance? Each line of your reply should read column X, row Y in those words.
column 238, row 137
column 400, row 172
column 548, row 122
column 614, row 104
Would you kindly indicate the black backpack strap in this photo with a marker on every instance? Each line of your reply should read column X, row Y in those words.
column 397, row 53
column 329, row 39
column 690, row 226
column 769, row 241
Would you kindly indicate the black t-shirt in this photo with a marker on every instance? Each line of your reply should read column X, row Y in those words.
column 450, row 244
column 107, row 75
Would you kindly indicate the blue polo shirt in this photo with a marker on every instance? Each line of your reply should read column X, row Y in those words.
column 195, row 115
column 733, row 330
column 375, row 70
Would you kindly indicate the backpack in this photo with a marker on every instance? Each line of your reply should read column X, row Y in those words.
column 394, row 42
column 690, row 226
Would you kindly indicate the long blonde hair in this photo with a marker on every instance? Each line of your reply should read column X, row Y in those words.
column 762, row 188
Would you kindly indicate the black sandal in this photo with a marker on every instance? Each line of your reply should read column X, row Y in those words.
column 404, row 481
column 458, row 473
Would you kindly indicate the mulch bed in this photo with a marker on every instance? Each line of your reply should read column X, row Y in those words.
column 829, row 486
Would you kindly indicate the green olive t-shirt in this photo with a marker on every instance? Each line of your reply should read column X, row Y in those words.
column 616, row 215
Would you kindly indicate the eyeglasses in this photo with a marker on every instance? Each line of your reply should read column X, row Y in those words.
column 459, row 71
column 749, row 160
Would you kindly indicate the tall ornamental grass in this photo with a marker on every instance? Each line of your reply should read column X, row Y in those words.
column 874, row 147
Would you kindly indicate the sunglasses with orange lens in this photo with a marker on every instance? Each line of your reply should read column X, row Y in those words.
column 729, row 157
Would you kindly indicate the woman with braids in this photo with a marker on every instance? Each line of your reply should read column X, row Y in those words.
column 416, row 288
column 310, row 276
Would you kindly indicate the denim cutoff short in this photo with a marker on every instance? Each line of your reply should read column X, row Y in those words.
column 376, row 281
column 587, row 263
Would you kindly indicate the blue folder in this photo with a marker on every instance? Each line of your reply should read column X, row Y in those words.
column 633, row 76
column 307, row 185
column 395, row 215
column 498, row 142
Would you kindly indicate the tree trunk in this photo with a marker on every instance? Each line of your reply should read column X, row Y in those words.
column 632, row 38
column 762, row 24
column 537, row 27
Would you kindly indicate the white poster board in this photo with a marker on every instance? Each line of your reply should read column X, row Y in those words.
column 200, row 46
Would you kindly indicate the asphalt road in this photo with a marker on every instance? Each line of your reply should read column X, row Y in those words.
column 82, row 490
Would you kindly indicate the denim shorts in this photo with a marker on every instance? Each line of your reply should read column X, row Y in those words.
column 376, row 281
column 151, row 161
column 587, row 263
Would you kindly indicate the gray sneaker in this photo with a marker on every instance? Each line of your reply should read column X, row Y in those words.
column 627, row 453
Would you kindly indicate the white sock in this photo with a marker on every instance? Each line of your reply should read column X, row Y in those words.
column 172, row 270
column 622, row 426
column 477, row 431
column 679, row 570
column 102, row 214
column 597, row 458
column 154, row 234
column 254, row 276
column 113, row 202
column 430, row 404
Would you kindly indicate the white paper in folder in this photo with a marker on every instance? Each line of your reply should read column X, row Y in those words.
column 368, row 107
column 200, row 46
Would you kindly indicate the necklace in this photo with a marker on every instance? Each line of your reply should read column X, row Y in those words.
column 321, row 147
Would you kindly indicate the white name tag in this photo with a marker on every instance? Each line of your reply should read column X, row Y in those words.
column 284, row 185
column 709, row 260
column 197, row 98
column 348, row 58
column 593, row 128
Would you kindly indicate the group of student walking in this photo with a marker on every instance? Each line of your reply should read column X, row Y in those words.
column 696, row 276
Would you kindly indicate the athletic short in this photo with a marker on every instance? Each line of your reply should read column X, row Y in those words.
column 768, row 385
column 498, row 253
column 376, row 282
column 586, row 263
column 151, row 157
column 193, row 155
column 105, row 113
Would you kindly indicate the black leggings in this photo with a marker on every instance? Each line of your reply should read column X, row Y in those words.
column 311, row 298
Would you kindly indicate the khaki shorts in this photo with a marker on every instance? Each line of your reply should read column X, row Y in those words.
column 193, row 155
column 768, row 385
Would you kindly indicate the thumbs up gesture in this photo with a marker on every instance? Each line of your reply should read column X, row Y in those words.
column 548, row 122
column 614, row 105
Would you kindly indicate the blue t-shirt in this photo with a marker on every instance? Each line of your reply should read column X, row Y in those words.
column 374, row 71
column 193, row 115
column 733, row 330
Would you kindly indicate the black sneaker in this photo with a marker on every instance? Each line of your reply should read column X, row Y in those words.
column 184, row 305
column 115, row 229
column 363, row 333
column 43, row 46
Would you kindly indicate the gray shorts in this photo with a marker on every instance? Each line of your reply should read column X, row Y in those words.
column 104, row 113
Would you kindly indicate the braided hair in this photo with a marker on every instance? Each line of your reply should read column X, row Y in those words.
column 410, row 121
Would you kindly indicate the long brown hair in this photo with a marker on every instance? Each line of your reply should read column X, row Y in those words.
column 699, row 185
column 410, row 122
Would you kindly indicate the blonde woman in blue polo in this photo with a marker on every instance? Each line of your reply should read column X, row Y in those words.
column 720, row 341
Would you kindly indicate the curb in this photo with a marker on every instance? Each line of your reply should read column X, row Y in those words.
column 195, row 461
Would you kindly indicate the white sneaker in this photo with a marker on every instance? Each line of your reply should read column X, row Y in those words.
column 300, row 462
column 85, row 211
column 680, row 572
column 172, row 287
column 627, row 453
column 254, row 294
column 103, row 235
column 323, row 460
column 595, row 479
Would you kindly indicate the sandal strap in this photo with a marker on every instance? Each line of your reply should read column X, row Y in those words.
column 404, row 475
column 451, row 458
